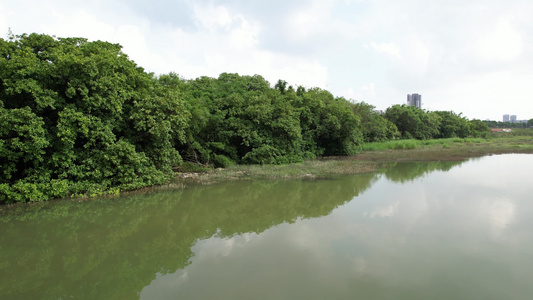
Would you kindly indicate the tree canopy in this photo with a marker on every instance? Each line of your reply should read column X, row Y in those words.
column 241, row 119
column 79, row 117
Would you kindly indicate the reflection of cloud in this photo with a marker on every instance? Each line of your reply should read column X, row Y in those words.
column 360, row 265
column 385, row 211
column 164, row 285
column 307, row 239
column 407, row 209
column 501, row 213
column 215, row 246
column 417, row 234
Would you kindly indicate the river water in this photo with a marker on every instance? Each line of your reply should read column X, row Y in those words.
column 419, row 230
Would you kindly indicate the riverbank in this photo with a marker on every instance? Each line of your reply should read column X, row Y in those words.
column 373, row 157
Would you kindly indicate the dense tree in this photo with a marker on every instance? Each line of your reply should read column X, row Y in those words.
column 79, row 117
column 452, row 125
column 500, row 124
column 337, row 130
column 240, row 119
column 281, row 85
column 374, row 126
column 491, row 123
column 413, row 122
column 100, row 121
column 478, row 128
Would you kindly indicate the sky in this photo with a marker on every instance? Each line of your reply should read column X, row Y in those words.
column 469, row 56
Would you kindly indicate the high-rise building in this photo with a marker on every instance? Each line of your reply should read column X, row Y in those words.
column 506, row 118
column 513, row 118
column 414, row 100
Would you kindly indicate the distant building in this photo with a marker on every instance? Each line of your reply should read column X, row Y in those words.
column 513, row 118
column 501, row 130
column 506, row 118
column 414, row 100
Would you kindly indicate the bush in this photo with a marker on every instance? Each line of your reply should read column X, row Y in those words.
column 222, row 161
column 80, row 117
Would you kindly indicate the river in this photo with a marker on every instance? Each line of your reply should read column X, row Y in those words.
column 417, row 230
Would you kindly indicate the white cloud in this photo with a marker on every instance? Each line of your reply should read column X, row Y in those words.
column 245, row 36
column 130, row 37
column 136, row 47
column 307, row 21
column 465, row 56
column 212, row 18
column 3, row 23
column 363, row 93
column 502, row 43
column 315, row 25
column 78, row 24
column 231, row 44
column 307, row 73
column 390, row 49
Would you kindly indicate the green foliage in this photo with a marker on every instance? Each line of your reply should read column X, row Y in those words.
column 241, row 119
column 390, row 145
column 414, row 144
column 222, row 161
column 413, row 122
column 79, row 117
column 193, row 167
column 500, row 124
column 478, row 128
column 375, row 127
column 22, row 143
column 452, row 125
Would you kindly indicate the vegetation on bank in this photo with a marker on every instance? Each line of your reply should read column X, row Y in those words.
column 373, row 157
column 81, row 118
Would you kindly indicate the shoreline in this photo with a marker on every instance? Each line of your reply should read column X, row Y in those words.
column 324, row 167
column 364, row 162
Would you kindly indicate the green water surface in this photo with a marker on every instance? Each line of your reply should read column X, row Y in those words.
column 424, row 230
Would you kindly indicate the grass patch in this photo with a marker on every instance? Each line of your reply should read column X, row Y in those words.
column 414, row 144
column 372, row 157
column 307, row 169
column 391, row 145
column 188, row 167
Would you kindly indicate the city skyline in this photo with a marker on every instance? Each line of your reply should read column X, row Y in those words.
column 513, row 119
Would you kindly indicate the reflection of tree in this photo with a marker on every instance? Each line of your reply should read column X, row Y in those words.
column 115, row 247
column 408, row 171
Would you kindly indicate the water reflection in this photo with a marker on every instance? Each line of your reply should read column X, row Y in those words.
column 440, row 232
column 428, row 239
column 115, row 247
